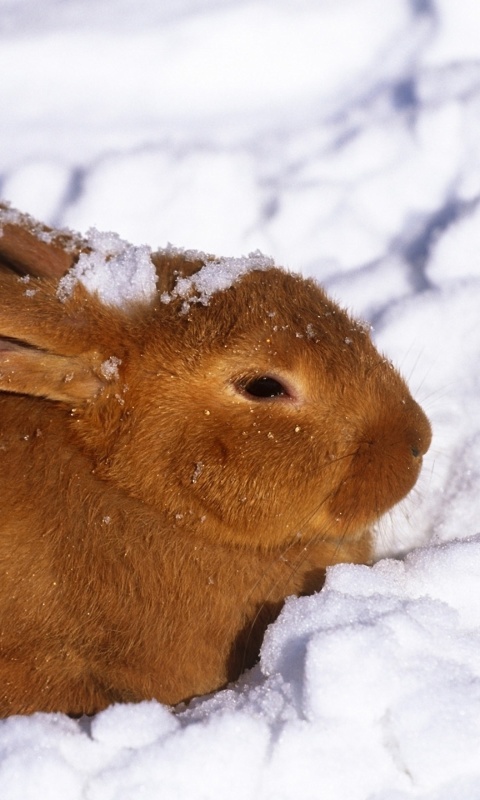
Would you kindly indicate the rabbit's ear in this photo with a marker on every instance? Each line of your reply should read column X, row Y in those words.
column 54, row 348
column 26, row 370
column 30, row 248
column 43, row 351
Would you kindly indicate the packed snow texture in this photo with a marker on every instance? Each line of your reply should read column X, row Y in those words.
column 344, row 141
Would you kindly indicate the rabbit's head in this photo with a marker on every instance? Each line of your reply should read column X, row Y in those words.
column 258, row 416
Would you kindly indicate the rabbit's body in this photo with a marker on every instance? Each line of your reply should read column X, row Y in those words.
column 159, row 503
column 104, row 599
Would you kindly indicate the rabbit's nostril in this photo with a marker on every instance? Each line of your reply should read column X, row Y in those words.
column 415, row 451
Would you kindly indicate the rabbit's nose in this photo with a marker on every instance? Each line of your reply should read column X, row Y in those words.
column 420, row 434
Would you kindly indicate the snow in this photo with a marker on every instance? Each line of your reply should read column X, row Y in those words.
column 120, row 273
column 216, row 275
column 369, row 689
column 344, row 142
column 109, row 368
column 115, row 270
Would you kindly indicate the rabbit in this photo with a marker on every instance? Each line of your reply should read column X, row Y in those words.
column 172, row 471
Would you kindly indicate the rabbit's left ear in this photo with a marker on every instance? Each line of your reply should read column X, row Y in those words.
column 26, row 370
column 44, row 352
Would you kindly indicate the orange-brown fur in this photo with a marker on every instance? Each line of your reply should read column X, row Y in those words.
column 153, row 522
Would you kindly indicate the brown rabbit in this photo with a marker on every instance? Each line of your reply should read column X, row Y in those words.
column 171, row 471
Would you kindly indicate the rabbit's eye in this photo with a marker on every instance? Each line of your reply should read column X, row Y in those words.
column 265, row 387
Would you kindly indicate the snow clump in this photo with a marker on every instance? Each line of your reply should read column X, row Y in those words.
column 121, row 273
column 117, row 271
column 217, row 275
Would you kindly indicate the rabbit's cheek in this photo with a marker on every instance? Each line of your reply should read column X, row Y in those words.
column 242, row 482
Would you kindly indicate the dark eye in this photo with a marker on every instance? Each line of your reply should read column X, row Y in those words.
column 265, row 387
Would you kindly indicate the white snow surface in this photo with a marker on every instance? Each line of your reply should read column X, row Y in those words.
column 343, row 139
